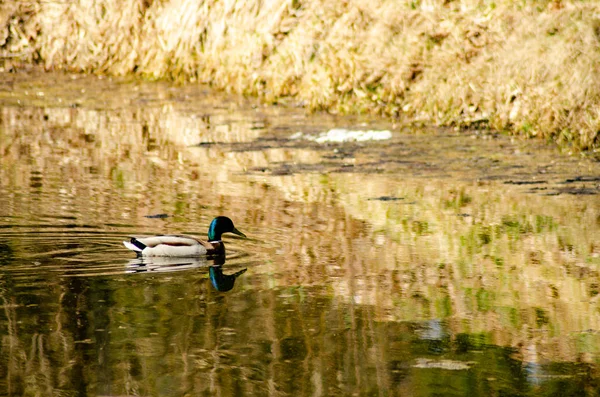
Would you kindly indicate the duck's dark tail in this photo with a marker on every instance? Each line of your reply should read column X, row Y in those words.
column 135, row 245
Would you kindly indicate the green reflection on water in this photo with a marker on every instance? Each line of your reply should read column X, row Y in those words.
column 392, row 279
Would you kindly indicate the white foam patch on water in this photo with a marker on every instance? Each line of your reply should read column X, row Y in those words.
column 451, row 365
column 344, row 135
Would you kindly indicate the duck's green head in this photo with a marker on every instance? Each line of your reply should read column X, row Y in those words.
column 220, row 225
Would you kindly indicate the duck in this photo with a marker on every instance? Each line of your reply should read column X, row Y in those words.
column 179, row 245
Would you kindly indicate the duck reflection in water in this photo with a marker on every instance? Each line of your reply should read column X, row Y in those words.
column 220, row 281
column 223, row 282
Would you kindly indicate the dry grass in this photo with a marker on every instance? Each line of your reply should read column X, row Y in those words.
column 527, row 67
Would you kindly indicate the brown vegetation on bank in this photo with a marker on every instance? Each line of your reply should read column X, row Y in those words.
column 527, row 67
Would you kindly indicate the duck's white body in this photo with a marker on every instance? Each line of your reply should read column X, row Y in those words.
column 172, row 245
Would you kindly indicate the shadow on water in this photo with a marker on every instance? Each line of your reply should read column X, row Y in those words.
column 448, row 263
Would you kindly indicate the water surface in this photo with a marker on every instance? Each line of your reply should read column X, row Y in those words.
column 444, row 262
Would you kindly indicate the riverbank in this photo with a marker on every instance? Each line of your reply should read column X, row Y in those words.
column 530, row 70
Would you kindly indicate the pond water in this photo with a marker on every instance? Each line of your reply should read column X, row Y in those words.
column 437, row 263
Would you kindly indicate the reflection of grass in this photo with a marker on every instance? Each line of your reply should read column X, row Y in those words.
column 511, row 262
column 420, row 228
column 118, row 177
column 504, row 262
column 514, row 227
column 457, row 199
column 484, row 300
column 530, row 68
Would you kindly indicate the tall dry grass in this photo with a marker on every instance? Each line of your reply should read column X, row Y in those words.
column 526, row 67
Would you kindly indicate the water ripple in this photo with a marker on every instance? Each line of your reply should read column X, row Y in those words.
column 31, row 252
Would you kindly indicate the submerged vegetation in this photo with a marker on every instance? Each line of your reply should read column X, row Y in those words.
column 525, row 67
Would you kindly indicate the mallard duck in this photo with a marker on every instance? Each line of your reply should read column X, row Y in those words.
column 185, row 246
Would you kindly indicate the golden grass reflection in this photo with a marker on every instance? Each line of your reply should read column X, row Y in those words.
column 352, row 270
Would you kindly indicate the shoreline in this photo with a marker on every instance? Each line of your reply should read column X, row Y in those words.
column 529, row 71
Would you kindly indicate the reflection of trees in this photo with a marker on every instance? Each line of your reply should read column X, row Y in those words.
column 147, row 341
column 48, row 338
column 352, row 282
